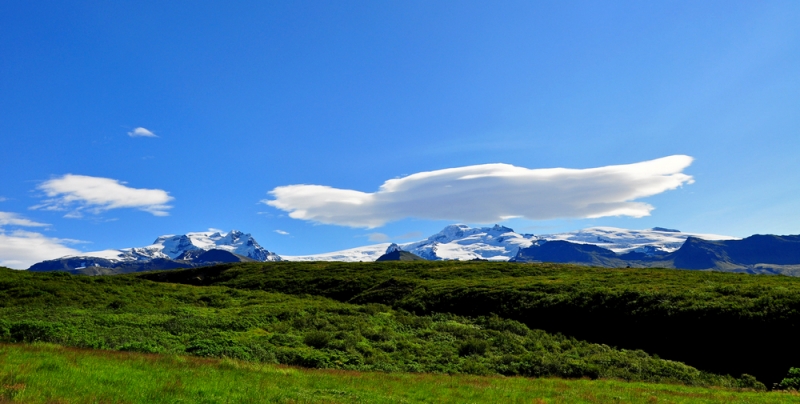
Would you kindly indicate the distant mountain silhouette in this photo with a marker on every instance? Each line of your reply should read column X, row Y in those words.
column 400, row 256
column 101, row 266
column 754, row 254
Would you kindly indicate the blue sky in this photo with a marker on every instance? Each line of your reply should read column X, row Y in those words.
column 245, row 98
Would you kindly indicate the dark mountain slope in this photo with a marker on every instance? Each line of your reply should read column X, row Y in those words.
column 755, row 254
column 213, row 256
column 400, row 256
column 566, row 252
column 101, row 266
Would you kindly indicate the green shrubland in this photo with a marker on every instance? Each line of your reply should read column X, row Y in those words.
column 128, row 313
column 721, row 322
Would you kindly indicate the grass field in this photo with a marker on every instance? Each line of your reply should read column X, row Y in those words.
column 45, row 373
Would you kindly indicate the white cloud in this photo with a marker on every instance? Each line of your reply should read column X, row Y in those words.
column 489, row 193
column 13, row 219
column 97, row 194
column 141, row 132
column 281, row 232
column 21, row 249
column 3, row 199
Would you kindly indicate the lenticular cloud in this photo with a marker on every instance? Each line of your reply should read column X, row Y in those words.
column 489, row 193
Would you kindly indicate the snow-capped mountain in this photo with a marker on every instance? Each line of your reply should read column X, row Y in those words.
column 393, row 248
column 461, row 242
column 358, row 254
column 454, row 242
column 172, row 246
column 650, row 241
column 499, row 243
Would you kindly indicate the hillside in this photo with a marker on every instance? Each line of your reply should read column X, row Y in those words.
column 399, row 256
column 720, row 322
column 129, row 313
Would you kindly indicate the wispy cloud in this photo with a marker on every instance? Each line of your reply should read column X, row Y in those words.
column 141, row 132
column 3, row 199
column 21, row 249
column 377, row 237
column 489, row 193
column 13, row 219
column 413, row 234
column 281, row 232
column 79, row 193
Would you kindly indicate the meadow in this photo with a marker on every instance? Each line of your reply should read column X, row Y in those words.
column 46, row 373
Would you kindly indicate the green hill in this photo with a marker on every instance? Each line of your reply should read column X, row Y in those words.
column 720, row 322
column 128, row 313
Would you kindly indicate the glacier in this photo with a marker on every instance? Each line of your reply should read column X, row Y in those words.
column 500, row 243
column 454, row 242
column 172, row 246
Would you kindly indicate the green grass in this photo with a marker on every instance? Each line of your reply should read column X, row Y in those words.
column 131, row 314
column 45, row 373
column 714, row 321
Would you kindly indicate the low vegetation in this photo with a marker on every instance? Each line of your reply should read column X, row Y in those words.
column 44, row 373
column 720, row 322
column 127, row 313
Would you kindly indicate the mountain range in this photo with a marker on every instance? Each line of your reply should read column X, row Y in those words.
column 166, row 252
column 758, row 254
column 598, row 246
column 500, row 243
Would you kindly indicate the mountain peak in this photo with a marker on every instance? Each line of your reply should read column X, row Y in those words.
column 450, row 232
column 502, row 229
column 173, row 246
column 392, row 248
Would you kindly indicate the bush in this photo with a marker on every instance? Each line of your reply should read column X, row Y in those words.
column 791, row 381
column 749, row 382
column 221, row 348
column 317, row 339
column 33, row 331
column 473, row 346
column 144, row 347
